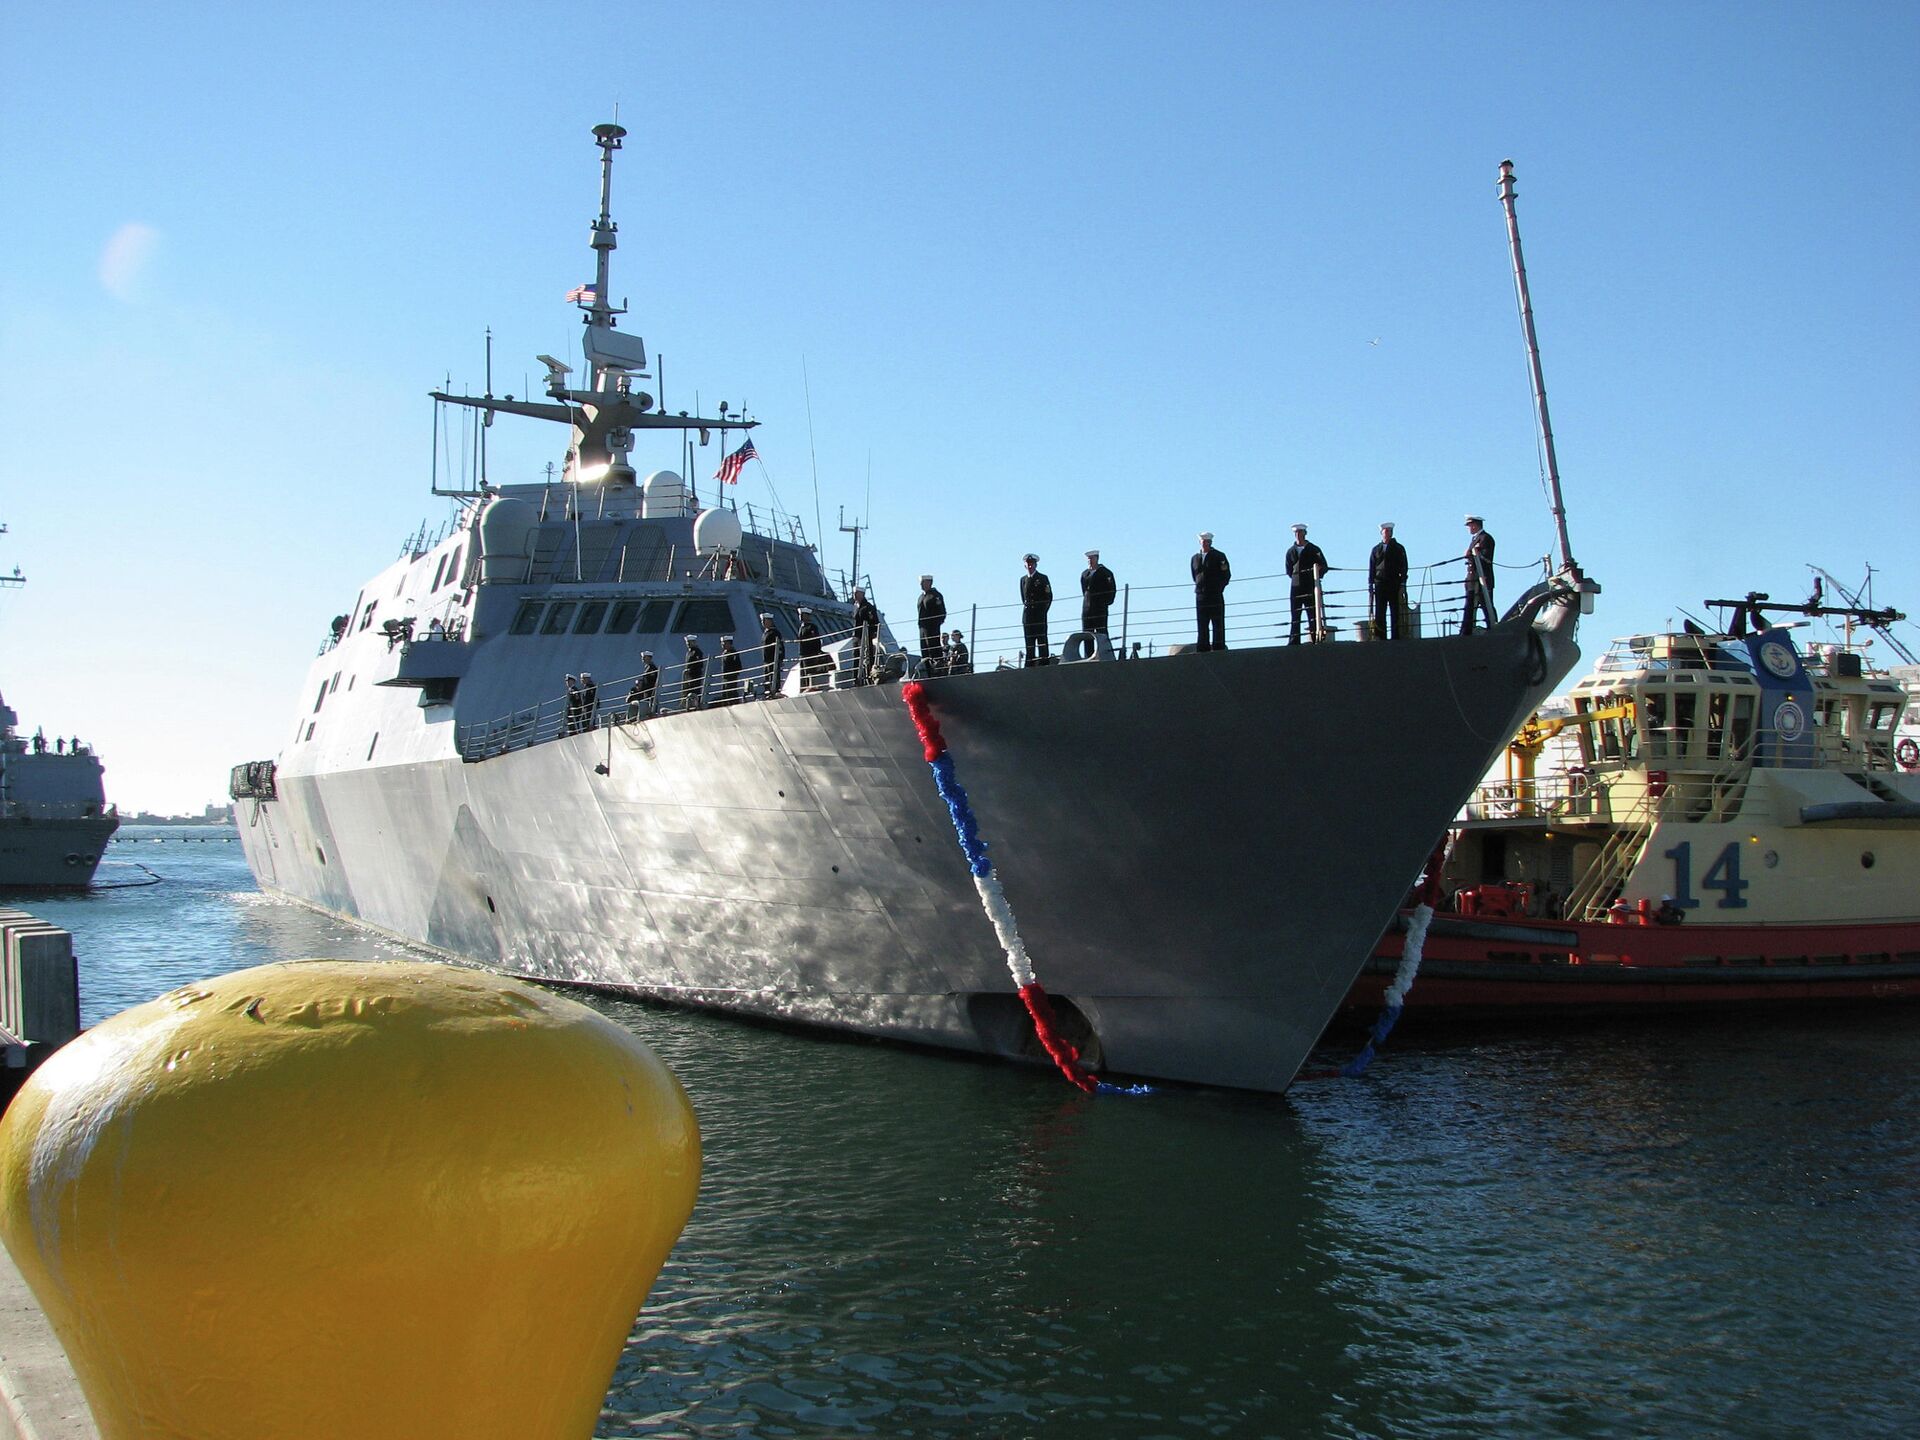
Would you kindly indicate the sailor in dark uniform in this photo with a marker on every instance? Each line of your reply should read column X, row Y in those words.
column 1479, row 559
column 729, row 662
column 589, row 702
column 773, row 652
column 693, row 676
column 1306, row 567
column 1211, row 576
column 958, row 661
column 1036, row 599
column 866, row 629
column 931, row 609
column 573, row 705
column 1387, row 581
column 640, row 696
column 812, row 660
column 1097, row 589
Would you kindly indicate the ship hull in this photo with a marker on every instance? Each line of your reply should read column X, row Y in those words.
column 1483, row 970
column 1200, row 850
column 52, row 854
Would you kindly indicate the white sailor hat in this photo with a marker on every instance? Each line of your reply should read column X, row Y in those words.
column 1386, row 525
column 646, row 654
column 585, row 677
column 1093, row 554
column 1206, row 534
column 926, row 577
column 1475, row 520
column 766, row 617
column 1030, row 556
column 1300, row 527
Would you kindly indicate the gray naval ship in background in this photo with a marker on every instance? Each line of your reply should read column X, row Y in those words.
column 54, row 818
column 1200, row 849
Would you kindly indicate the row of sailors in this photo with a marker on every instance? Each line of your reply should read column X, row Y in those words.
column 737, row 680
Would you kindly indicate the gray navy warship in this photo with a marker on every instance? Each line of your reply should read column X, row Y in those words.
column 54, row 818
column 1200, row 848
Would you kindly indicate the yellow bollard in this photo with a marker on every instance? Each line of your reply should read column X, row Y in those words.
column 342, row 1199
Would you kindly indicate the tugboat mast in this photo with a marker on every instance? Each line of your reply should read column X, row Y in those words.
column 1533, row 365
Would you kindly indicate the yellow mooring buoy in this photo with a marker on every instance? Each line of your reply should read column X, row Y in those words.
column 348, row 1199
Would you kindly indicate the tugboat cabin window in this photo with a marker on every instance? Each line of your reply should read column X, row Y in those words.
column 591, row 614
column 527, row 619
column 705, row 617
column 557, row 618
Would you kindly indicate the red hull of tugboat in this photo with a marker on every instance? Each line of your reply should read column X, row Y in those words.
column 1480, row 969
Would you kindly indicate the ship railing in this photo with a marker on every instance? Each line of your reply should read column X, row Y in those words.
column 676, row 689
column 1146, row 620
column 1564, row 795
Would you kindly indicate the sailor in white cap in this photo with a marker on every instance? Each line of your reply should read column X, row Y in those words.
column 1479, row 558
column 813, row 659
column 1097, row 589
column 693, row 676
column 1306, row 566
column 1387, row 583
column 931, row 610
column 1211, row 576
column 1036, row 599
column 589, row 702
column 640, row 696
column 773, row 650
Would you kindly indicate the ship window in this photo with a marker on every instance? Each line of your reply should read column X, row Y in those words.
column 309, row 730
column 557, row 618
column 1742, row 731
column 654, row 616
column 591, row 614
column 453, row 565
column 1683, row 717
column 527, row 619
column 624, row 613
column 322, row 699
column 705, row 617
column 336, row 683
column 376, row 741
column 438, row 571
column 1716, row 722
column 367, row 619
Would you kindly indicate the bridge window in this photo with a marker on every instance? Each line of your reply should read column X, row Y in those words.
column 527, row 619
column 705, row 617
column 591, row 614
column 557, row 617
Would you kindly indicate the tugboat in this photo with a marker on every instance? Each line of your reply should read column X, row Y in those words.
column 1198, row 852
column 1715, row 820
column 54, row 818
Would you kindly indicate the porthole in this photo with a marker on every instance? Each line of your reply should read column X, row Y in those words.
column 1771, row 858
column 1866, row 859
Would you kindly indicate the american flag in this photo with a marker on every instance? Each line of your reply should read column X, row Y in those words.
column 583, row 292
column 730, row 468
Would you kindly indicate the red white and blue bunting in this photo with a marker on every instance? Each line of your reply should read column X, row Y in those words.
column 1426, row 895
column 994, row 901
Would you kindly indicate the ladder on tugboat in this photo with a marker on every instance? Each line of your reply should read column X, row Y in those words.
column 1596, row 889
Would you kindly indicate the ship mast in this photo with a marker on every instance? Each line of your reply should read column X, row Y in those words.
column 1533, row 365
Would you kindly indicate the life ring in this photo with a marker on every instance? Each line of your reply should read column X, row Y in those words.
column 1907, row 752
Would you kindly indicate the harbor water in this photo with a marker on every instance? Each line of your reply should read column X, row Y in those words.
column 1622, row 1230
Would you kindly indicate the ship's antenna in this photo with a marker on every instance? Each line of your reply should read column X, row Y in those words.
column 855, row 528
column 813, row 457
column 486, row 423
column 607, row 137
column 1533, row 365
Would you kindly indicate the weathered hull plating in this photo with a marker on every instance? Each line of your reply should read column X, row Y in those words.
column 1200, row 850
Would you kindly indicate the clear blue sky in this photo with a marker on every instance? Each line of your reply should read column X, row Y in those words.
column 1063, row 275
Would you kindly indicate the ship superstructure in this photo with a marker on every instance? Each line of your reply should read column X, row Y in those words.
column 55, row 822
column 1199, row 849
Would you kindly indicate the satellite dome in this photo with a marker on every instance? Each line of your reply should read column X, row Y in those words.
column 716, row 532
column 664, row 495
